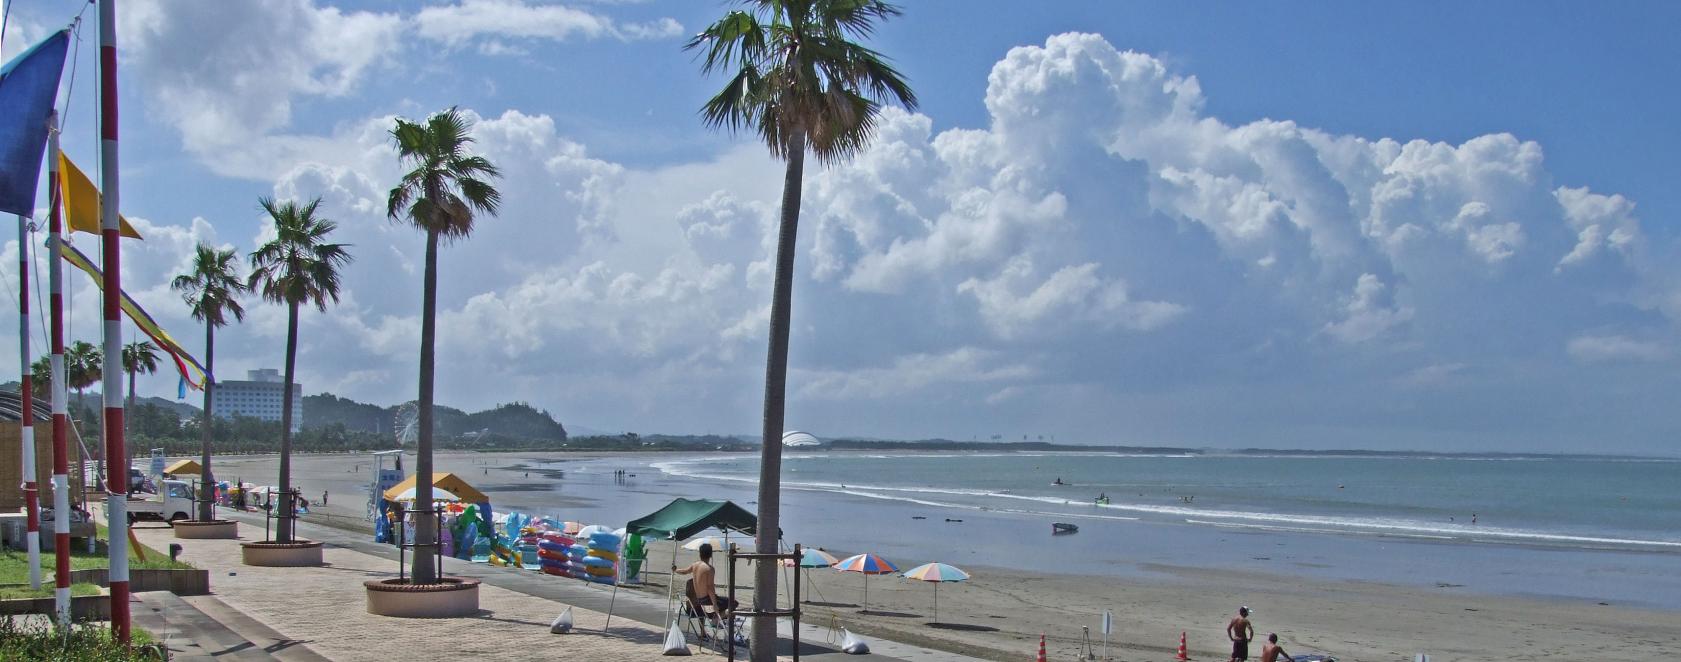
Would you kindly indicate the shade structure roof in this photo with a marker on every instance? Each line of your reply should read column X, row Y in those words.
column 11, row 408
column 184, row 467
column 438, row 494
column 683, row 518
column 467, row 493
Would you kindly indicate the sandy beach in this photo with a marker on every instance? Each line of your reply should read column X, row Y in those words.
column 1000, row 612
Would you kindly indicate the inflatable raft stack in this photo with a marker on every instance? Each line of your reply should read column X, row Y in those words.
column 553, row 547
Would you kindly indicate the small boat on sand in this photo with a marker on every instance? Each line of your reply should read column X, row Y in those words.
column 1060, row 528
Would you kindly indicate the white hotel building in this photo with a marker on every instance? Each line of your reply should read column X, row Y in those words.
column 258, row 397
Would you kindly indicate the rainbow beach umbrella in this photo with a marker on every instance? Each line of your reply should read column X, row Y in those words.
column 936, row 573
column 866, row 565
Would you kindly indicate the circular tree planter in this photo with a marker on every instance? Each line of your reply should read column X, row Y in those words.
column 451, row 597
column 216, row 529
column 281, row 554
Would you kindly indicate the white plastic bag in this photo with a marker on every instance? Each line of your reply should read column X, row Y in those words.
column 675, row 644
column 563, row 623
column 852, row 644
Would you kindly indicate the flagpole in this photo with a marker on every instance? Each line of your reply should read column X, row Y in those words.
column 60, row 390
column 31, row 488
column 110, row 230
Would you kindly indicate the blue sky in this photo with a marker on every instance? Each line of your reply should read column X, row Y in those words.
column 1343, row 225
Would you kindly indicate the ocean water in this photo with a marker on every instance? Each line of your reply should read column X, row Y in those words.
column 1594, row 530
column 1608, row 504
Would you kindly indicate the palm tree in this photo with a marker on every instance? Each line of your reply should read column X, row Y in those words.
column 83, row 365
column 441, row 196
column 138, row 357
column 799, row 81
column 298, row 266
column 211, row 290
column 42, row 375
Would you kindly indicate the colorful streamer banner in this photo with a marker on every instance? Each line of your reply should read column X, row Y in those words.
column 192, row 374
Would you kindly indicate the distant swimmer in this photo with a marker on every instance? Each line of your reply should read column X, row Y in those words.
column 1473, row 518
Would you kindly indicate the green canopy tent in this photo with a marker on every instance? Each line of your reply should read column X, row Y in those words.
column 681, row 519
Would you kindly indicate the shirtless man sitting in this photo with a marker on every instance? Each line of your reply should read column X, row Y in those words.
column 706, row 593
column 1241, row 632
column 1272, row 652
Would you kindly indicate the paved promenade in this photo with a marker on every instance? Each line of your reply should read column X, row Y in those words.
column 323, row 610
column 307, row 614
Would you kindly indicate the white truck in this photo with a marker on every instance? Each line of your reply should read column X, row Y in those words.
column 174, row 501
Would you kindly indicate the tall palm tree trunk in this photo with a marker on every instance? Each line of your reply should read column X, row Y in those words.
column 776, row 382
column 284, row 533
column 127, row 424
column 81, row 456
column 205, row 508
column 425, row 529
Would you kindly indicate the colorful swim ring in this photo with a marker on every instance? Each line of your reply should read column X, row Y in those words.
column 551, row 555
column 604, row 554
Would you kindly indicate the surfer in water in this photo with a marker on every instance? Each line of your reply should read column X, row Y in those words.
column 1058, row 481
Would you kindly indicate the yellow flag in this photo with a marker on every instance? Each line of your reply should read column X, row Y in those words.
column 81, row 201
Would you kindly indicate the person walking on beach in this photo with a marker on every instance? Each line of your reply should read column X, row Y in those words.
column 1272, row 652
column 1240, row 632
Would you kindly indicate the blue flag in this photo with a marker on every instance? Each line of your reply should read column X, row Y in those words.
column 28, row 87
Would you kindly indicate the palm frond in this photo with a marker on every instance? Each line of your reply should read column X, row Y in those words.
column 446, row 183
column 799, row 77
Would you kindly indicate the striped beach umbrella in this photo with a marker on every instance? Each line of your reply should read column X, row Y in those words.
column 866, row 565
column 936, row 573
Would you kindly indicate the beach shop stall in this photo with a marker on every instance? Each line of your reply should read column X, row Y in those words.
column 447, row 488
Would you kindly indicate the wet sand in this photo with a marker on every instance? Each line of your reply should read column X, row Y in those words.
column 1000, row 613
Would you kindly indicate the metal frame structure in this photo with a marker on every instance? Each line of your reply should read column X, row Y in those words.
column 793, row 612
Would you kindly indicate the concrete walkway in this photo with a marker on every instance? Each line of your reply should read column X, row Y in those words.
column 320, row 611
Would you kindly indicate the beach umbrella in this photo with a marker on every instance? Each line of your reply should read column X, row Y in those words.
column 572, row 528
column 866, row 565
column 811, row 557
column 591, row 530
column 936, row 573
column 719, row 545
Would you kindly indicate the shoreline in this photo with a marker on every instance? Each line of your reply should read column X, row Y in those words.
column 999, row 613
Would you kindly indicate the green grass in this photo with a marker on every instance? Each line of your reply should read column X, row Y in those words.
column 46, row 590
column 85, row 642
column 14, row 565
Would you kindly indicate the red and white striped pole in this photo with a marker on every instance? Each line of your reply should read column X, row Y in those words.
column 60, row 395
column 116, row 476
column 31, row 487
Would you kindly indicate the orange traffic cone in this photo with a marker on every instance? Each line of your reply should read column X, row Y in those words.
column 1182, row 655
column 1041, row 647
